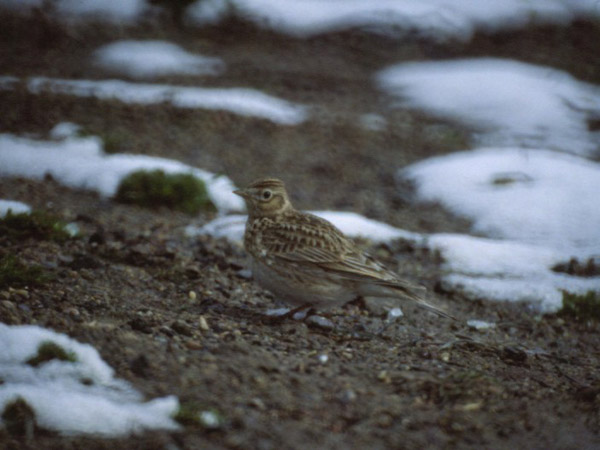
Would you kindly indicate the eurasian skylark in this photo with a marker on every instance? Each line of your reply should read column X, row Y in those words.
column 306, row 260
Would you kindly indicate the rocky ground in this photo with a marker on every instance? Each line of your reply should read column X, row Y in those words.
column 176, row 315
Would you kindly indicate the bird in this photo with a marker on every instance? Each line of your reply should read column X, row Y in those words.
column 306, row 261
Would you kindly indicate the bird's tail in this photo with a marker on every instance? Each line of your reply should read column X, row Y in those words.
column 398, row 288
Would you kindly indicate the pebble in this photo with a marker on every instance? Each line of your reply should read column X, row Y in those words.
column 258, row 404
column 320, row 322
column 480, row 324
column 21, row 292
column 245, row 274
column 10, row 306
column 394, row 313
column 277, row 312
column 192, row 295
column 203, row 324
column 348, row 396
column 323, row 358
column 384, row 376
column 210, row 419
column 181, row 327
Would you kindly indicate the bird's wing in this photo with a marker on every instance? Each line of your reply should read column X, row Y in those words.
column 311, row 241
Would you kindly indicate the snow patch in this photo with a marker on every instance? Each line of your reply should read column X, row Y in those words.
column 538, row 197
column 80, row 397
column 241, row 101
column 507, row 103
column 14, row 207
column 147, row 59
column 439, row 19
column 540, row 206
column 79, row 162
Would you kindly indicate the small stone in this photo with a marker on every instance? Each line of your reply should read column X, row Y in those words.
column 394, row 313
column 194, row 345
column 348, row 396
column 320, row 322
column 300, row 315
column 258, row 404
column 21, row 292
column 192, row 295
column 203, row 324
column 210, row 419
column 277, row 312
column 245, row 274
column 179, row 326
column 474, row 406
column 9, row 306
column 72, row 311
column 384, row 376
column 323, row 358
column 480, row 324
column 380, row 306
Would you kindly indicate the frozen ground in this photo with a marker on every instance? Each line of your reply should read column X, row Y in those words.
column 74, row 397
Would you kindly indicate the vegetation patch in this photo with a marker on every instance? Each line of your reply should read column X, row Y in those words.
column 38, row 225
column 48, row 351
column 151, row 189
column 581, row 306
column 13, row 273
column 577, row 268
column 19, row 418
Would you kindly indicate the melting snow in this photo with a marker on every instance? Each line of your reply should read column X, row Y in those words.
column 13, row 206
column 62, row 401
column 81, row 163
column 242, row 101
column 508, row 103
column 440, row 19
column 541, row 206
column 147, row 59
column 536, row 197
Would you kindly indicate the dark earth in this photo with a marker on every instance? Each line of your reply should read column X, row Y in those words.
column 177, row 315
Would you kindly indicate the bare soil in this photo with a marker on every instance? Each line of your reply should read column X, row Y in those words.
column 124, row 285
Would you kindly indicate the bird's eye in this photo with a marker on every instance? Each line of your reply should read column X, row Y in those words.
column 266, row 194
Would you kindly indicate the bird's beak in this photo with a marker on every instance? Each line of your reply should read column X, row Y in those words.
column 242, row 193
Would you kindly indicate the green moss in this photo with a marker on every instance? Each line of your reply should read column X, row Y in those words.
column 14, row 273
column 47, row 351
column 581, row 306
column 38, row 225
column 183, row 192
column 19, row 418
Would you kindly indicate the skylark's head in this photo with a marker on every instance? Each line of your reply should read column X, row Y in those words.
column 265, row 197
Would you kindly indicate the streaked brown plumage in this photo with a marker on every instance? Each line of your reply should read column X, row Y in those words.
column 305, row 260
